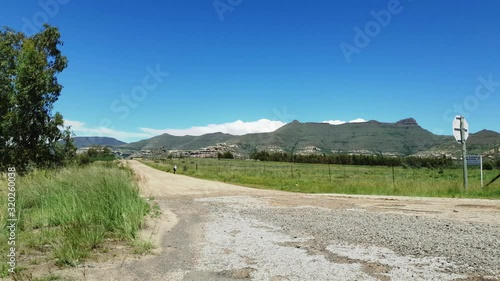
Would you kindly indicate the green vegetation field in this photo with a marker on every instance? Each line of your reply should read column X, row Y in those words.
column 324, row 178
column 65, row 215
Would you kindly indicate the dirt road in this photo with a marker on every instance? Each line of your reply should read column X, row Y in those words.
column 217, row 231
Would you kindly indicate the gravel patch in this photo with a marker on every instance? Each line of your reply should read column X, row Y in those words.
column 311, row 243
column 401, row 268
column 472, row 248
column 236, row 242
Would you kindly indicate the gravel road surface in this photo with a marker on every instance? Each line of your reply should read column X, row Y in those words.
column 217, row 231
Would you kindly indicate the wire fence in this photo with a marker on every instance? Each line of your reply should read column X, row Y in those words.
column 329, row 178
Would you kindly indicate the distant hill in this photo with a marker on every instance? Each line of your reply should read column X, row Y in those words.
column 483, row 142
column 404, row 137
column 96, row 141
column 484, row 137
column 170, row 142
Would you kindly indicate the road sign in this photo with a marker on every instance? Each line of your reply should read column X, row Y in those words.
column 457, row 129
column 474, row 160
column 461, row 134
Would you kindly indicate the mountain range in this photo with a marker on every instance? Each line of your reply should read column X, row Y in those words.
column 80, row 142
column 403, row 138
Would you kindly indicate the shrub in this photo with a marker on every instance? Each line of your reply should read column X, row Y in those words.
column 488, row 166
column 83, row 159
column 225, row 155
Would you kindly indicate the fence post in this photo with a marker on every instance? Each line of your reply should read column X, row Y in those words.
column 393, row 176
column 330, row 171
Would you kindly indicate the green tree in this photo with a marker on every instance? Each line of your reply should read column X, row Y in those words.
column 96, row 153
column 30, row 133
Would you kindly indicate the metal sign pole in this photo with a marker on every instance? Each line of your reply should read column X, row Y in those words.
column 464, row 152
column 481, row 159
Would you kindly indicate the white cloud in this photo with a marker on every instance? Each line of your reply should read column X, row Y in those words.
column 358, row 120
column 340, row 122
column 234, row 128
column 81, row 129
column 334, row 122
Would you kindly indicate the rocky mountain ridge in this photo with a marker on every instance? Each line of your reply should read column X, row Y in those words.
column 402, row 138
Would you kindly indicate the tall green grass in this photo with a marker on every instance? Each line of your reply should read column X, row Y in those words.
column 323, row 178
column 70, row 212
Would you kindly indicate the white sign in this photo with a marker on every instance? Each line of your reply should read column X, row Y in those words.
column 473, row 160
column 476, row 160
column 457, row 131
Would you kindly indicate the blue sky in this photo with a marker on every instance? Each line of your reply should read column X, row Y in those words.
column 190, row 67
